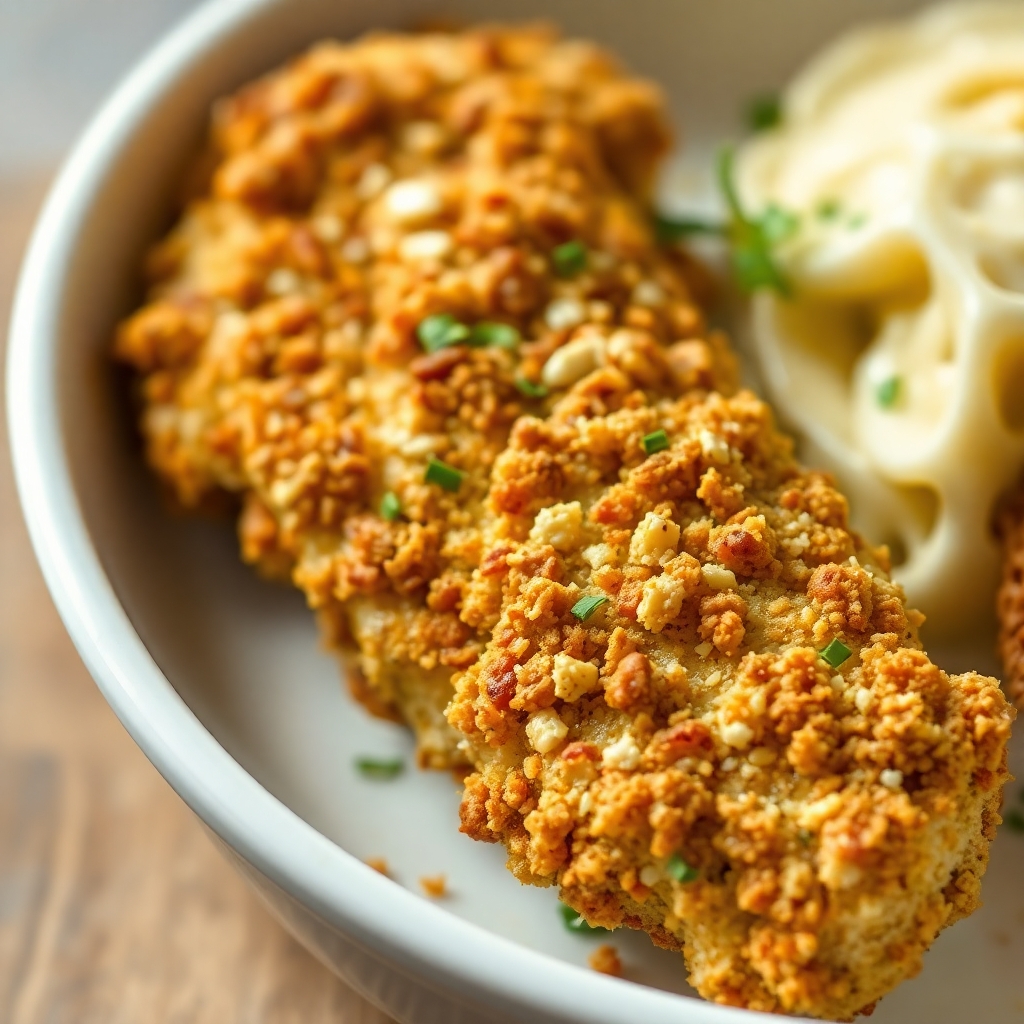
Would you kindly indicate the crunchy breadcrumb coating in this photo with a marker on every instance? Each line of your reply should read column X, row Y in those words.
column 348, row 197
column 685, row 760
column 1010, row 599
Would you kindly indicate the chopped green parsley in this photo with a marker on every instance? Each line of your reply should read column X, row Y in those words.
column 764, row 112
column 569, row 259
column 669, row 229
column 586, row 606
column 440, row 331
column 577, row 922
column 828, row 209
column 752, row 239
column 530, row 388
column 1014, row 820
column 656, row 441
column 443, row 475
column 380, row 768
column 390, row 506
column 836, row 652
column 887, row 394
column 678, row 869
column 494, row 335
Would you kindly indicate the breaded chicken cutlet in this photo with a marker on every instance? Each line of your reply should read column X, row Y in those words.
column 705, row 711
column 1010, row 599
column 391, row 241
column 415, row 318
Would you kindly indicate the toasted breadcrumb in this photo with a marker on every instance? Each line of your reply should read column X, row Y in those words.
column 379, row 864
column 1010, row 599
column 606, row 960
column 435, row 886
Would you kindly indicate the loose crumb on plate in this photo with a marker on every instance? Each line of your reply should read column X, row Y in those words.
column 606, row 960
column 379, row 864
column 435, row 886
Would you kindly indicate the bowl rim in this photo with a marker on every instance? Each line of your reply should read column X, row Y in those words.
column 420, row 939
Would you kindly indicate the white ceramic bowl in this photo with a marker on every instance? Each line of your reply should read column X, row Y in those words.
column 218, row 676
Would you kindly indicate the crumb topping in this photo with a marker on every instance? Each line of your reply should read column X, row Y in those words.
column 802, row 831
column 495, row 180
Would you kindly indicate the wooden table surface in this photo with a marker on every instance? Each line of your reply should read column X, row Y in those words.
column 114, row 906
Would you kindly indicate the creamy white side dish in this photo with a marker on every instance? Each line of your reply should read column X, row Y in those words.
column 900, row 354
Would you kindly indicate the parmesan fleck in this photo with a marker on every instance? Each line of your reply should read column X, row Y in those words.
column 572, row 677
column 545, row 730
column 558, row 525
column 718, row 577
column 623, row 753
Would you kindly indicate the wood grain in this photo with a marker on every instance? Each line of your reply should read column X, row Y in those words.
column 114, row 906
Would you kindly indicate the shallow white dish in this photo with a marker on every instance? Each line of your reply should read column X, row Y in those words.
column 219, row 677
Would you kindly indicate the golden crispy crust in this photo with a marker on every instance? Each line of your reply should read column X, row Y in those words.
column 838, row 818
column 1010, row 599
column 349, row 196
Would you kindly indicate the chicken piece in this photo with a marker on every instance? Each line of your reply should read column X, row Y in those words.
column 705, row 713
column 496, row 179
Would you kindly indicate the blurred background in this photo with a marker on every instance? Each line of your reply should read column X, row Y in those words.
column 114, row 906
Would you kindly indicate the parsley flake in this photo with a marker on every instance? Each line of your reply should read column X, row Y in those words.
column 440, row 473
column 764, row 112
column 577, row 922
column 887, row 394
column 390, row 507
column 752, row 238
column 828, row 209
column 531, row 389
column 377, row 768
column 489, row 334
column 586, row 606
column 668, row 229
column 569, row 259
column 656, row 441
column 1014, row 820
column 836, row 652
column 678, row 869
column 440, row 331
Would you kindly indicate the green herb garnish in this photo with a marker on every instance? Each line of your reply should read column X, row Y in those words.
column 530, row 388
column 577, row 922
column 828, row 209
column 494, row 335
column 443, row 475
column 376, row 768
column 569, row 259
column 656, row 441
column 1014, row 820
column 858, row 220
column 805, row 836
column 753, row 238
column 887, row 393
column 390, row 506
column 669, row 229
column 764, row 112
column 440, row 331
column 836, row 652
column 586, row 606
column 778, row 224
column 678, row 869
